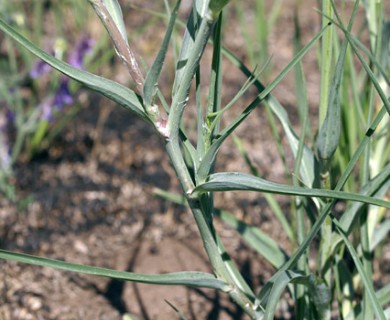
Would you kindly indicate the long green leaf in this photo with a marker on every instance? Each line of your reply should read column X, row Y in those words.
column 150, row 85
column 318, row 292
column 230, row 181
column 307, row 167
column 355, row 45
column 368, row 286
column 112, row 90
column 190, row 278
column 198, row 11
column 348, row 219
column 383, row 296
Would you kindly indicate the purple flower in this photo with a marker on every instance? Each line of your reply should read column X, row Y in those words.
column 10, row 117
column 63, row 96
column 39, row 69
column 5, row 148
column 83, row 47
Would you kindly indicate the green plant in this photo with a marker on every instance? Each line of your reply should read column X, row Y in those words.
column 322, row 174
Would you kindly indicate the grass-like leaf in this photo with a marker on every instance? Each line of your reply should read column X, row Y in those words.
column 230, row 181
column 354, row 44
column 348, row 219
column 319, row 293
column 190, row 278
column 112, row 90
column 199, row 10
column 368, row 286
column 150, row 85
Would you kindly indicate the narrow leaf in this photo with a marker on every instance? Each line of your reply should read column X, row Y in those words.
column 348, row 219
column 318, row 292
column 190, row 278
column 150, row 85
column 112, row 90
column 368, row 286
column 355, row 44
column 198, row 11
column 384, row 294
column 230, row 181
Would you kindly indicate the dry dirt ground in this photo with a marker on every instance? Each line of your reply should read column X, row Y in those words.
column 93, row 203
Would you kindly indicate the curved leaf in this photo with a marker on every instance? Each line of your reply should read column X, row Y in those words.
column 366, row 279
column 319, row 293
column 190, row 278
column 230, row 181
column 112, row 90
column 377, row 186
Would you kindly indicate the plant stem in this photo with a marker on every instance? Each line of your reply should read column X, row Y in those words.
column 201, row 211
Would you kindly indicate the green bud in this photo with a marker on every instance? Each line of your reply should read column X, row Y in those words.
column 329, row 134
column 216, row 7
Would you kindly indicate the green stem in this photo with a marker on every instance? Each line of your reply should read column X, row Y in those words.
column 201, row 211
